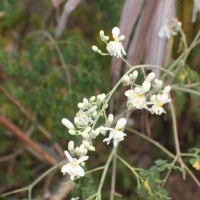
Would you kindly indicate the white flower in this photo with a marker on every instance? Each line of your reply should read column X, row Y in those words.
column 115, row 48
column 170, row 28
column 136, row 97
column 159, row 100
column 115, row 133
column 73, row 168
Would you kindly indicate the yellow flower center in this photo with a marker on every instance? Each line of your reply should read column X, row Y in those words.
column 74, row 163
column 159, row 104
column 140, row 94
column 117, row 129
column 115, row 39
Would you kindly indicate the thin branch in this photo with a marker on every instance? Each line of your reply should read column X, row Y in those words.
column 17, row 132
column 30, row 117
column 162, row 148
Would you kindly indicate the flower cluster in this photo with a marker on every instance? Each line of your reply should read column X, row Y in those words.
column 137, row 95
column 114, row 47
column 84, row 126
column 85, row 121
column 170, row 28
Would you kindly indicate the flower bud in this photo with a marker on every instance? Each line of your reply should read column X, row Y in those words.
column 92, row 148
column 134, row 75
column 101, row 33
column 95, row 48
column 76, row 120
column 101, row 97
column 77, row 150
column 158, row 83
column 126, row 80
column 150, row 76
column 72, row 132
column 71, row 146
column 94, row 133
column 121, row 37
column 85, row 102
column 166, row 89
column 146, row 85
column 86, row 144
column 99, row 51
column 81, row 105
column 67, row 123
column 92, row 98
column 85, row 135
column 94, row 113
column 106, row 38
column 88, row 129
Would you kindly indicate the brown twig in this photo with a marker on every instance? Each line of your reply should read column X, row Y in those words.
column 15, row 130
column 30, row 117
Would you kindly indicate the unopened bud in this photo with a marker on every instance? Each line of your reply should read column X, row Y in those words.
column 92, row 98
column 121, row 37
column 91, row 148
column 101, row 33
column 71, row 146
column 150, row 76
column 134, row 75
column 85, row 135
column 110, row 119
column 166, row 89
column 88, row 129
column 85, row 102
column 72, row 132
column 95, row 133
column 101, row 97
column 106, row 38
column 95, row 48
column 81, row 105
column 86, row 144
column 126, row 80
column 158, row 83
column 67, row 123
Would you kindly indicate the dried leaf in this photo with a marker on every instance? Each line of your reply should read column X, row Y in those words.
column 139, row 41
column 129, row 16
column 69, row 7
column 56, row 3
column 157, row 46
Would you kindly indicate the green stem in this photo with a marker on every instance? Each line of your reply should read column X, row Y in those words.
column 132, row 169
column 175, row 132
column 169, row 49
column 162, row 148
column 113, row 180
column 186, row 90
column 169, row 171
column 104, row 173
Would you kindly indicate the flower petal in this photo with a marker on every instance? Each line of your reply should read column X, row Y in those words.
column 66, row 168
column 82, row 158
column 80, row 171
column 116, row 32
column 68, row 155
column 129, row 93
column 121, row 123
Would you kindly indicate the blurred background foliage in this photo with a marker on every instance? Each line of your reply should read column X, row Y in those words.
column 33, row 67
